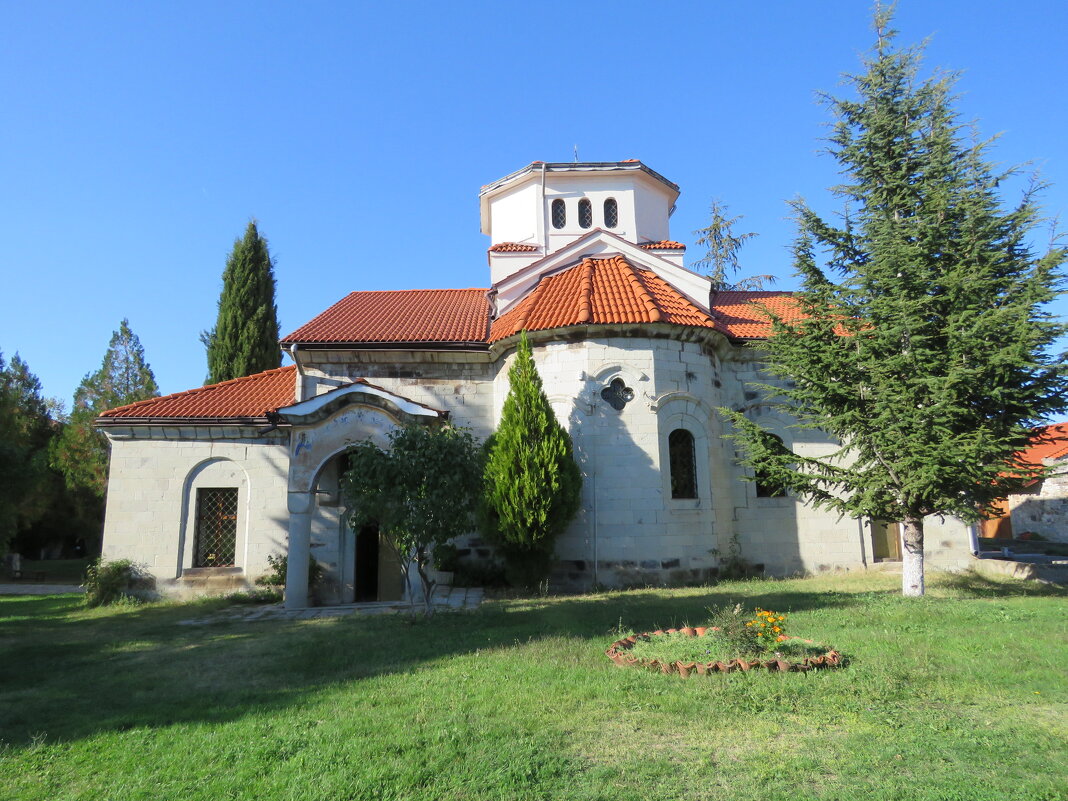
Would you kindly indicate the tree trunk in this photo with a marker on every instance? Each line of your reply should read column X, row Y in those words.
column 912, row 556
column 428, row 585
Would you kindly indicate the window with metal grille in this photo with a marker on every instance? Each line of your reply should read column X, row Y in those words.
column 611, row 213
column 683, row 461
column 559, row 214
column 585, row 213
column 216, row 534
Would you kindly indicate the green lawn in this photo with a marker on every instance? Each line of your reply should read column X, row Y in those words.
column 961, row 695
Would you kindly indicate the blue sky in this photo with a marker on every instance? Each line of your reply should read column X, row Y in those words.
column 137, row 139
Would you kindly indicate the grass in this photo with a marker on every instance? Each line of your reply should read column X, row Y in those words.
column 959, row 695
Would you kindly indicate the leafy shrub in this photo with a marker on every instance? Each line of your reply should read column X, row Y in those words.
column 277, row 576
column 446, row 557
column 479, row 573
column 262, row 595
column 733, row 567
column 735, row 630
column 108, row 583
column 420, row 493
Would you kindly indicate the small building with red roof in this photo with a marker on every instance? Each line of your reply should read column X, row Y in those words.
column 1042, row 511
column 636, row 353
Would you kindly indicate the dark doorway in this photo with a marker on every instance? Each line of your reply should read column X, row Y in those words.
column 366, row 571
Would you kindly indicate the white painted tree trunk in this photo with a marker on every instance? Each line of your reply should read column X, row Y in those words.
column 912, row 556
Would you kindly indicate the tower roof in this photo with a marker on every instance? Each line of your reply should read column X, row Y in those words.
column 631, row 165
column 599, row 291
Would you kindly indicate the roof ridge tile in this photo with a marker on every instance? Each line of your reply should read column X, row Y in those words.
column 651, row 306
column 585, row 313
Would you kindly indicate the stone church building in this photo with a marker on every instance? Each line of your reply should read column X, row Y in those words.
column 636, row 353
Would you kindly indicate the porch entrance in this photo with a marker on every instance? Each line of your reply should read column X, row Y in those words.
column 377, row 571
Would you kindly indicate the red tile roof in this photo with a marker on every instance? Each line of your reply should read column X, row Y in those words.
column 740, row 314
column 599, row 291
column 409, row 315
column 1048, row 442
column 513, row 247
column 664, row 244
column 249, row 397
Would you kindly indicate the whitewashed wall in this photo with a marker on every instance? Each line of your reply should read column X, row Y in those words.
column 151, row 504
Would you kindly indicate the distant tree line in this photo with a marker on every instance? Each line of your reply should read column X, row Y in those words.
column 54, row 464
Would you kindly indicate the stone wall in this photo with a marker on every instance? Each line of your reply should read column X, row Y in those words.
column 1044, row 511
column 630, row 530
column 154, row 476
column 458, row 383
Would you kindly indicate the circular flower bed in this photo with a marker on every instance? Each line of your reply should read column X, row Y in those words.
column 619, row 652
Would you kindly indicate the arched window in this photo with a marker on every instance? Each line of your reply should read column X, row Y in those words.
column 559, row 214
column 683, row 461
column 585, row 213
column 766, row 487
column 611, row 213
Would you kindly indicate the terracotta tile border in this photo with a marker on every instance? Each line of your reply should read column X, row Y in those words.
column 618, row 653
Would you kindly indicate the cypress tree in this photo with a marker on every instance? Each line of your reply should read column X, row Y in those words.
column 531, row 481
column 245, row 337
column 924, row 344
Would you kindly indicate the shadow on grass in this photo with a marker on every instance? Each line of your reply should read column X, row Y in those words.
column 69, row 673
column 977, row 585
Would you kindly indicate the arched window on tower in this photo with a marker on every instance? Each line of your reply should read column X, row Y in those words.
column 559, row 214
column 611, row 213
column 683, row 463
column 585, row 213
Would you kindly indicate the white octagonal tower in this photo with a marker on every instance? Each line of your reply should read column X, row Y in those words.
column 546, row 206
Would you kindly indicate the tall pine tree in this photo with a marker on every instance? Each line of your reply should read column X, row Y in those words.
column 721, row 256
column 80, row 453
column 924, row 347
column 245, row 337
column 531, row 482
column 25, row 430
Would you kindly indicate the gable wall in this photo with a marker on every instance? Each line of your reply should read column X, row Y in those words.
column 462, row 386
column 629, row 529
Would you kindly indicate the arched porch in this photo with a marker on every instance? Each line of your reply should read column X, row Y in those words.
column 322, row 428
